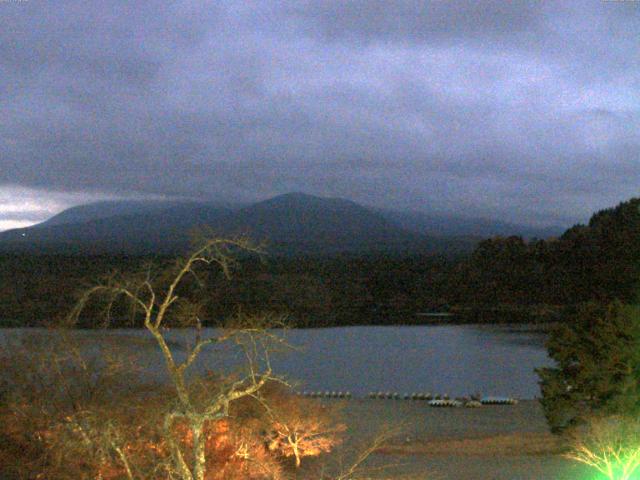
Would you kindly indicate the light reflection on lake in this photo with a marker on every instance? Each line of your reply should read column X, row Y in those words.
column 454, row 359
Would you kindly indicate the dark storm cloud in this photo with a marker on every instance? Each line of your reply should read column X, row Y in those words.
column 525, row 110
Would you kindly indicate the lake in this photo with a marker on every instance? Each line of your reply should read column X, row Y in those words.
column 453, row 359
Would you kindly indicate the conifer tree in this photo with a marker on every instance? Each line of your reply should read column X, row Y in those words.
column 597, row 372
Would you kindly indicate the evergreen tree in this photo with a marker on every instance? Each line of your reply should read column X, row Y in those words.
column 597, row 355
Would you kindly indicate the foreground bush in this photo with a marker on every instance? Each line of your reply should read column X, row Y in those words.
column 69, row 416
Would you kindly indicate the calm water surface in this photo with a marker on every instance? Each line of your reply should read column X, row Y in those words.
column 455, row 359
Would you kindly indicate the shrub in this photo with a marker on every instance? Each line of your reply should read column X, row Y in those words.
column 105, row 425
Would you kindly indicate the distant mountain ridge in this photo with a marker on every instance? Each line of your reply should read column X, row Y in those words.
column 293, row 223
column 448, row 225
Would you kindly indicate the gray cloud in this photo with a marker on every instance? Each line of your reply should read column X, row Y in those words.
column 22, row 206
column 420, row 21
column 529, row 111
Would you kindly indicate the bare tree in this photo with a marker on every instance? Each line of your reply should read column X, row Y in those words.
column 89, row 410
column 155, row 296
column 301, row 427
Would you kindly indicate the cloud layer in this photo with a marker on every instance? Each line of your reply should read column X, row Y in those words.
column 527, row 111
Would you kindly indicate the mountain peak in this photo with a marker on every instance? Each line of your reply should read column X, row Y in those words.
column 300, row 198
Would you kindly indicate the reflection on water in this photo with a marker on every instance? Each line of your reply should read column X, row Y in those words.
column 456, row 359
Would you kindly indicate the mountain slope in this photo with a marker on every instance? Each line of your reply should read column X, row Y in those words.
column 161, row 230
column 105, row 209
column 290, row 224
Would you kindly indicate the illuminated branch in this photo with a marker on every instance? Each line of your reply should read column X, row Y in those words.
column 608, row 445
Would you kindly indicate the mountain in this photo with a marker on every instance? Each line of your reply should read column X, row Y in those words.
column 105, row 209
column 293, row 223
column 97, row 228
column 329, row 224
column 448, row 225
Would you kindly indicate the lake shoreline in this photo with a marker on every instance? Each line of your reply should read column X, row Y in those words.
column 541, row 327
column 496, row 442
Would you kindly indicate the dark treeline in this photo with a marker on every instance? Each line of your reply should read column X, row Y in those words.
column 595, row 262
column 315, row 291
column 40, row 289
column 341, row 290
column 503, row 279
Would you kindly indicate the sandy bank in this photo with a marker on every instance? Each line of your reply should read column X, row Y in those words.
column 491, row 442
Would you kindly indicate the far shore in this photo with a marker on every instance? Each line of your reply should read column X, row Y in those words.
column 417, row 321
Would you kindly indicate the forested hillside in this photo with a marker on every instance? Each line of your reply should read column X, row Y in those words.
column 503, row 279
column 599, row 261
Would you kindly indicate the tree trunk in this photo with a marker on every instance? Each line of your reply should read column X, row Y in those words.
column 296, row 451
column 199, row 454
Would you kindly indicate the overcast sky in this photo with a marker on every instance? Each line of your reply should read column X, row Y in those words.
column 522, row 111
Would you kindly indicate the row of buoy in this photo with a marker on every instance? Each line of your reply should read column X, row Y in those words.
column 433, row 400
column 326, row 394
column 445, row 403
column 406, row 396
column 385, row 395
column 472, row 403
column 498, row 401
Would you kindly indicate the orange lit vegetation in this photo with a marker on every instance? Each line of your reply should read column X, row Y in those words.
column 610, row 445
column 121, row 443
column 301, row 427
column 68, row 414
